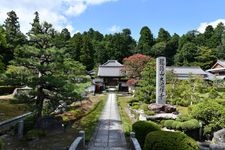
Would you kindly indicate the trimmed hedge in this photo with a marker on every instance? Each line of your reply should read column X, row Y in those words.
column 165, row 140
column 184, row 126
column 142, row 128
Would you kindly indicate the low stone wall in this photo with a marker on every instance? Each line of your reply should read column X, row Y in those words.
column 79, row 142
column 134, row 145
column 208, row 146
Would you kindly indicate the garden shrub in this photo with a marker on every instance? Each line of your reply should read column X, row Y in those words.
column 29, row 123
column 35, row 133
column 168, row 124
column 174, row 124
column 142, row 128
column 165, row 140
column 190, row 125
column 1, row 144
column 184, row 126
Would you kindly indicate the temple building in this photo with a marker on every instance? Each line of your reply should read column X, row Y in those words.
column 111, row 73
column 218, row 69
column 184, row 73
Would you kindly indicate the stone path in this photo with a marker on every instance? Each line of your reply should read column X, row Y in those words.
column 109, row 134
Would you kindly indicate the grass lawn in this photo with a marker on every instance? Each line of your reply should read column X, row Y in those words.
column 8, row 110
column 126, row 121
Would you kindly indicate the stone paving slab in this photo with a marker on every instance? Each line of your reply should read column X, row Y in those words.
column 109, row 134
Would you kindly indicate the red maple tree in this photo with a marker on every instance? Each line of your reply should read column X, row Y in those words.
column 134, row 65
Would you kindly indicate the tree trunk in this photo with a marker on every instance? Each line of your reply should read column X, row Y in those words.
column 39, row 101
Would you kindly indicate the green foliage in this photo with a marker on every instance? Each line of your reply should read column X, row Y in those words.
column 164, row 140
column 49, row 71
column 29, row 123
column 142, row 128
column 186, row 55
column 126, row 121
column 14, row 36
column 89, row 121
column 146, row 85
column 210, row 113
column 186, row 92
column 145, row 41
column 1, row 144
column 190, row 125
column 34, row 134
column 183, row 126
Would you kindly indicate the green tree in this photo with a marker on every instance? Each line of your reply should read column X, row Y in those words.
column 61, row 39
column 187, row 55
column 46, row 72
column 74, row 46
column 163, row 35
column 158, row 49
column 146, row 86
column 171, row 49
column 86, row 53
column 14, row 36
column 216, row 38
column 50, row 72
column 3, row 49
column 35, row 26
column 210, row 113
column 145, row 41
column 205, row 57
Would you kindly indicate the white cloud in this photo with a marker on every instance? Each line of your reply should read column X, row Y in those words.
column 203, row 25
column 115, row 29
column 56, row 12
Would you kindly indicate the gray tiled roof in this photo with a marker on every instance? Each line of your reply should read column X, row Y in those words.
column 111, row 68
column 221, row 62
column 187, row 70
column 112, row 63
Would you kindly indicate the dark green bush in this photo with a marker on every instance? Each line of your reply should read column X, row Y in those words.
column 174, row 124
column 190, row 125
column 142, row 128
column 184, row 126
column 29, row 123
column 1, row 144
column 35, row 133
column 168, row 124
column 164, row 140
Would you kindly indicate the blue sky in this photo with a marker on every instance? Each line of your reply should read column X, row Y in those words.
column 109, row 16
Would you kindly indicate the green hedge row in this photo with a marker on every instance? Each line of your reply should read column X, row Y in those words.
column 164, row 140
column 142, row 128
column 184, row 126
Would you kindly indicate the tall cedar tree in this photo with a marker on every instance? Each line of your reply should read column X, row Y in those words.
column 145, row 42
column 14, row 36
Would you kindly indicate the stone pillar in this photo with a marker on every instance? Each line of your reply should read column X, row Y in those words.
column 132, row 135
column 20, row 128
column 160, row 80
column 82, row 134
